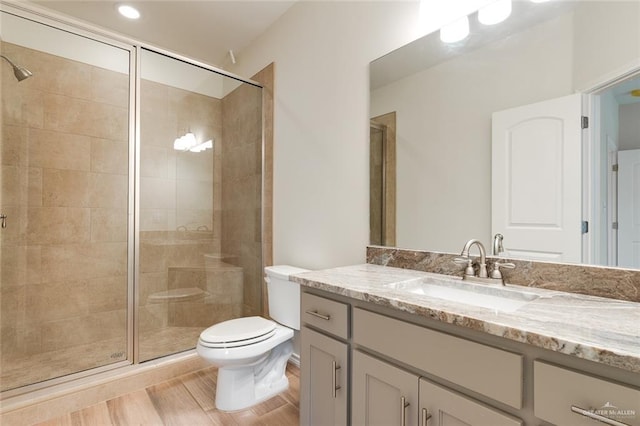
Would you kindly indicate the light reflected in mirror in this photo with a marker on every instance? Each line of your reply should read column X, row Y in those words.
column 445, row 95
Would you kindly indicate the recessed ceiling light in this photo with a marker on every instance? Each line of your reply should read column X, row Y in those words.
column 128, row 11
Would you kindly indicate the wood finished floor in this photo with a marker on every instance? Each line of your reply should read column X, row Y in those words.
column 187, row 400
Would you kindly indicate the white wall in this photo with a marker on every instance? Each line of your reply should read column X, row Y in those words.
column 607, row 41
column 321, row 52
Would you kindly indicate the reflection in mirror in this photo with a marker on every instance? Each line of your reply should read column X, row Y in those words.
column 445, row 95
column 382, row 180
column 377, row 138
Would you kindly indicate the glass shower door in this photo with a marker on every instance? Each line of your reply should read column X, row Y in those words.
column 64, row 195
column 200, row 203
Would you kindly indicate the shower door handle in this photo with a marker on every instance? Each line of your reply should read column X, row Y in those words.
column 3, row 220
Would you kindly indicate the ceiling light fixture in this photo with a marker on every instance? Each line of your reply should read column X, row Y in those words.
column 129, row 12
column 635, row 93
column 495, row 12
column 455, row 31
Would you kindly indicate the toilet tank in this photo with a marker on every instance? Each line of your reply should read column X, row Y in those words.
column 284, row 295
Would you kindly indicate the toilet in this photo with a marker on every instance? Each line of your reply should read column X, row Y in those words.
column 251, row 353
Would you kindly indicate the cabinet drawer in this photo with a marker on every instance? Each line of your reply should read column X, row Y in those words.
column 557, row 389
column 492, row 372
column 325, row 314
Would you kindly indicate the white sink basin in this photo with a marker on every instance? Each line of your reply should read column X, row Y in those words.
column 498, row 298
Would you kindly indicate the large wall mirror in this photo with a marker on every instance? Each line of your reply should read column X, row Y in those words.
column 467, row 163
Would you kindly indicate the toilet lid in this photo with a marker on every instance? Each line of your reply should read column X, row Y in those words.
column 238, row 332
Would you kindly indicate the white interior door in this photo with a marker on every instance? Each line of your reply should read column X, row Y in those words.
column 537, row 181
column 629, row 208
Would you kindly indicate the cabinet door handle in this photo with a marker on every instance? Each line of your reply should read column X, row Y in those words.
column 598, row 417
column 319, row 315
column 403, row 411
column 425, row 416
column 334, row 372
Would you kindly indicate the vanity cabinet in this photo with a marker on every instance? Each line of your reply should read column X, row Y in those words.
column 367, row 364
column 324, row 359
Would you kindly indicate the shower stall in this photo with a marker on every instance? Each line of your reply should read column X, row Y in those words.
column 131, row 201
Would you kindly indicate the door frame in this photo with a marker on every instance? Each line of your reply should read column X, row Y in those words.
column 612, row 203
column 591, row 155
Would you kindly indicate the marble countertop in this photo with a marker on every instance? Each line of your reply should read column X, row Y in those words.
column 594, row 328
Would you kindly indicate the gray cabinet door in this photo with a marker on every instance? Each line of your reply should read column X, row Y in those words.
column 382, row 393
column 324, row 380
column 440, row 406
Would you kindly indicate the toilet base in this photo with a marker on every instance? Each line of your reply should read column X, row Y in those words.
column 241, row 387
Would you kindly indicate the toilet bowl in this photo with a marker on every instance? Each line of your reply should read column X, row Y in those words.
column 251, row 353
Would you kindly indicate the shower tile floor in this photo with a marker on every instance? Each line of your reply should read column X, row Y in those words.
column 22, row 370
column 186, row 400
column 16, row 371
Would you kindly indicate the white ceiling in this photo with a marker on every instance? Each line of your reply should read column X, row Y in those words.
column 204, row 29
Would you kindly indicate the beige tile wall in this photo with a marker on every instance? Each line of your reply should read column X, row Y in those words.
column 266, row 77
column 177, row 187
column 242, row 189
column 64, row 188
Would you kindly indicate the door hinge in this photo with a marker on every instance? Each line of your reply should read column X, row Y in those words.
column 614, row 167
column 585, row 226
column 614, row 225
column 585, row 122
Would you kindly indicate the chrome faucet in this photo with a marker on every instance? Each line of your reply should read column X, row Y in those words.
column 482, row 276
column 482, row 266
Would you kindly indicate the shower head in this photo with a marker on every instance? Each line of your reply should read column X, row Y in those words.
column 21, row 73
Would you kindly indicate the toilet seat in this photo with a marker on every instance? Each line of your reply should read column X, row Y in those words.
column 238, row 332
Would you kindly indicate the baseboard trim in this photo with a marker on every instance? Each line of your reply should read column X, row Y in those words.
column 295, row 360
